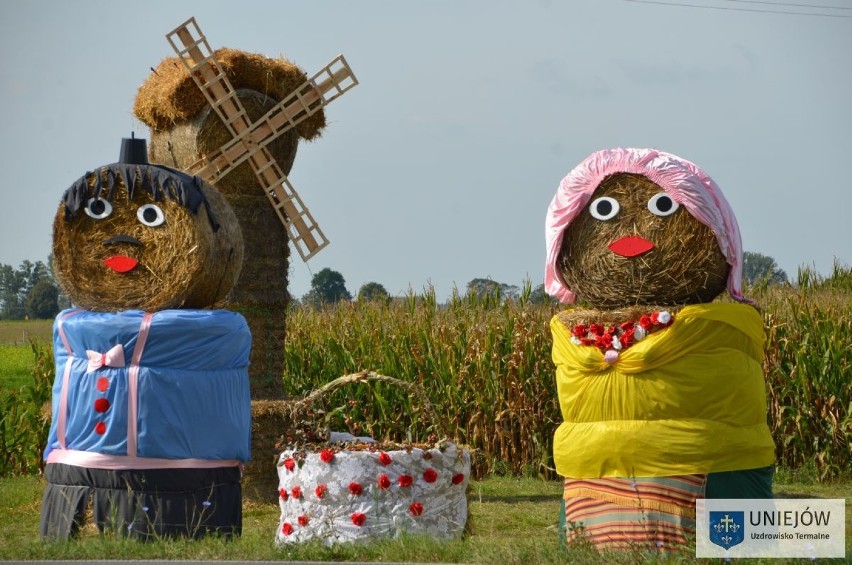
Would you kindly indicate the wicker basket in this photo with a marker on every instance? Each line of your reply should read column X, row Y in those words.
column 359, row 490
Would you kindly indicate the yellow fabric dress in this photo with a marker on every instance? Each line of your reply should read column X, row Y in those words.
column 688, row 399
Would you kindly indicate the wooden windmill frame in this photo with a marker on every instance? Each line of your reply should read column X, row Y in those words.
column 251, row 138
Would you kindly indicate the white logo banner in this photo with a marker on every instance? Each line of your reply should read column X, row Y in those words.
column 781, row 527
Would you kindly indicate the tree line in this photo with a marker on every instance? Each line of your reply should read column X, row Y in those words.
column 328, row 286
column 31, row 291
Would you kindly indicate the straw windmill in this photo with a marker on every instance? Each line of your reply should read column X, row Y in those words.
column 242, row 138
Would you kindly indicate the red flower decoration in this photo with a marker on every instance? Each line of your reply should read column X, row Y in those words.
column 384, row 458
column 604, row 341
column 327, row 455
column 296, row 492
column 102, row 384
column 101, row 405
column 287, row 528
column 321, row 490
column 282, row 493
column 358, row 518
column 384, row 481
column 620, row 336
column 415, row 509
column 289, row 463
column 405, row 480
column 355, row 488
column 303, row 520
column 458, row 478
column 100, row 428
column 430, row 475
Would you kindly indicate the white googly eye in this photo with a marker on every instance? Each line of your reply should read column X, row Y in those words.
column 98, row 208
column 604, row 208
column 151, row 215
column 662, row 205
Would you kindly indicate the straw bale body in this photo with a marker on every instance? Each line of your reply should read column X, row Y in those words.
column 260, row 483
column 190, row 260
column 183, row 129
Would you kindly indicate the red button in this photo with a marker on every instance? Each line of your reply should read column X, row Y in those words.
column 100, row 428
column 101, row 405
column 102, row 384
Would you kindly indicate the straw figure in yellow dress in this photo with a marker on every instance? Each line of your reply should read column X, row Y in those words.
column 660, row 385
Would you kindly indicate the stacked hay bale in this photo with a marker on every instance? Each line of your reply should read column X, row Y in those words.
column 183, row 129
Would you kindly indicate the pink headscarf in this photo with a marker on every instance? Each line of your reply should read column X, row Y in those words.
column 687, row 184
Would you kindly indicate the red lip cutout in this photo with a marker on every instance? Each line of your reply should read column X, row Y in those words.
column 121, row 263
column 631, row 246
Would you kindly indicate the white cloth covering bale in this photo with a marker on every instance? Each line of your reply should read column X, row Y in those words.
column 351, row 495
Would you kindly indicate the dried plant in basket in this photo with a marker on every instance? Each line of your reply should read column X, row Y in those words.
column 306, row 421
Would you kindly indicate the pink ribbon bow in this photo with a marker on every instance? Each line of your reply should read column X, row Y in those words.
column 112, row 358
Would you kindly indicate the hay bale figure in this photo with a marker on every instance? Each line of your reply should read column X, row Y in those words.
column 183, row 129
column 661, row 389
column 151, row 406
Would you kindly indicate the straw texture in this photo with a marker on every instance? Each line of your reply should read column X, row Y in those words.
column 183, row 263
column 685, row 266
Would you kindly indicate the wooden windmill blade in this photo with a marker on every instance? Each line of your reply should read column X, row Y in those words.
column 331, row 82
column 197, row 56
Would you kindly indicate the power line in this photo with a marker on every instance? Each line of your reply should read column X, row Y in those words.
column 729, row 9
column 791, row 4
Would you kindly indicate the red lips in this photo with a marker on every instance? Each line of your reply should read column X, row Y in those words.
column 121, row 263
column 631, row 246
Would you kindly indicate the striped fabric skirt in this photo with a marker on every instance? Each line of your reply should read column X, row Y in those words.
column 614, row 513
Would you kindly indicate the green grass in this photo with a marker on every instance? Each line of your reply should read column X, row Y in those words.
column 512, row 521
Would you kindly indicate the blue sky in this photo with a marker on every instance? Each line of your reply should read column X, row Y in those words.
column 439, row 166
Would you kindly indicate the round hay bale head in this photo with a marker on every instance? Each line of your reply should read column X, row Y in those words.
column 145, row 237
column 204, row 133
column 169, row 96
column 685, row 265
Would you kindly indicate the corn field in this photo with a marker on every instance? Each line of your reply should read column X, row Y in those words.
column 486, row 368
column 484, row 364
